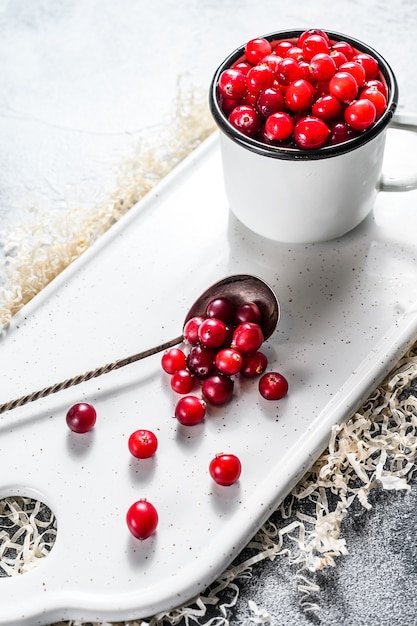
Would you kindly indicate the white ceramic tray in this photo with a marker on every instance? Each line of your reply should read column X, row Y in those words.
column 348, row 312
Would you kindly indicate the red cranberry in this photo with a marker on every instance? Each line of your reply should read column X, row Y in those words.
column 229, row 361
column 345, row 48
column 360, row 114
column 258, row 78
column 247, row 337
column 256, row 49
column 232, row 83
column 378, row 85
column 272, row 60
column 311, row 132
column 190, row 410
column 190, row 331
column 338, row 57
column 222, row 308
column 281, row 48
column 273, row 386
column 254, row 364
column 357, row 71
column 288, row 71
column 172, row 360
column 369, row 64
column 314, row 44
column 299, row 95
column 217, row 389
column 322, row 66
column 200, row 361
column 340, row 132
column 245, row 119
column 182, row 381
column 248, row 312
column 308, row 33
column 279, row 126
column 376, row 97
column 343, row 86
column 270, row 101
column 81, row 417
column 212, row 332
column 327, row 108
column 225, row 469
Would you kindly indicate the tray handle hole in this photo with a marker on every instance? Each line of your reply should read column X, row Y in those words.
column 28, row 529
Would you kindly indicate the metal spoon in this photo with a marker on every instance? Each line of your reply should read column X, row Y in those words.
column 239, row 288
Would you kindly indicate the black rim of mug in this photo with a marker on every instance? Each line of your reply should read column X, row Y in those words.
column 297, row 154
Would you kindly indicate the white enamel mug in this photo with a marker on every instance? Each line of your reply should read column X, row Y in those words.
column 304, row 196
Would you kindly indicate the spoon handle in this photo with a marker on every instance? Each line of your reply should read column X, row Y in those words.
column 76, row 380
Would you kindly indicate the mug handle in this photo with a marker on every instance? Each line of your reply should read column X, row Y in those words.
column 401, row 121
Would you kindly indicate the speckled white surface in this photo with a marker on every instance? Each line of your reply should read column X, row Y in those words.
column 348, row 311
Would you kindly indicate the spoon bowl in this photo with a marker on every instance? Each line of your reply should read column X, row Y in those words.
column 239, row 288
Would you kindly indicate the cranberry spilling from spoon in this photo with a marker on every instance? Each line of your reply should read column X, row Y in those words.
column 237, row 288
